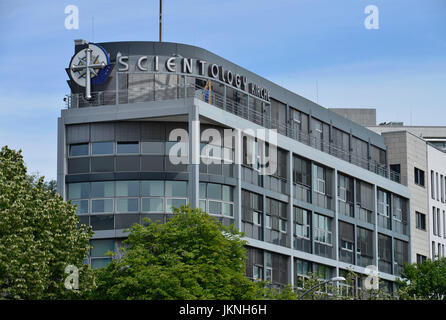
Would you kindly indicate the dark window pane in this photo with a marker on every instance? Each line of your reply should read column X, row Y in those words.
column 102, row 164
column 127, row 205
column 81, row 206
column 130, row 163
column 79, row 165
column 127, row 147
column 102, row 147
column 101, row 247
column 102, row 222
column 102, row 205
column 102, row 189
column 79, row 150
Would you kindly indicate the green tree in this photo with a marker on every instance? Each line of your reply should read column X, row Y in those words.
column 50, row 185
column 426, row 280
column 39, row 237
column 191, row 256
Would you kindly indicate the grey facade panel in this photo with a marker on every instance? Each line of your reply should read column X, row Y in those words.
column 79, row 165
column 102, row 132
column 153, row 131
column 78, row 133
column 102, row 164
column 128, row 163
column 152, row 163
column 128, row 131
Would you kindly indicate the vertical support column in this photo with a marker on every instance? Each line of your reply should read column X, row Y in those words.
column 291, row 215
column 375, row 198
column 224, row 99
column 336, row 236
column 194, row 156
column 117, row 80
column 61, row 157
column 238, row 187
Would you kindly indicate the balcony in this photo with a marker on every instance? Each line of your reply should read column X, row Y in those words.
column 240, row 107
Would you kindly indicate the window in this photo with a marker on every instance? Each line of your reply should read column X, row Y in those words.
column 302, row 219
column 437, row 188
column 322, row 229
column 127, row 147
column 268, row 267
column 395, row 172
column 80, row 149
column 320, row 183
column 419, row 177
column 176, row 188
column 81, row 206
column 438, row 223
column 383, row 203
column 152, row 204
column 434, row 221
column 257, row 272
column 174, row 203
column 152, row 147
column 102, row 189
column 257, row 218
column 398, row 211
column 421, row 221
column 420, row 258
column 441, row 188
column 152, row 188
column 127, row 205
column 101, row 205
column 347, row 245
column 432, row 185
column 101, row 148
column 342, row 190
column 78, row 190
column 433, row 250
column 127, row 188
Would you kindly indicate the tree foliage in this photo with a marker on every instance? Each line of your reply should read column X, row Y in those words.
column 191, row 256
column 39, row 237
column 425, row 280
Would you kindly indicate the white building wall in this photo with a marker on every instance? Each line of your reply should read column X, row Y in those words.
column 437, row 201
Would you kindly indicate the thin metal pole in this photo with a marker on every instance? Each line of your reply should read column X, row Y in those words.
column 161, row 20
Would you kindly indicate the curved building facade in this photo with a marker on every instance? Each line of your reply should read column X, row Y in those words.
column 150, row 126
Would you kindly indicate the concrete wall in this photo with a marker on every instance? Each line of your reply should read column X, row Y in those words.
column 410, row 151
column 436, row 162
column 363, row 117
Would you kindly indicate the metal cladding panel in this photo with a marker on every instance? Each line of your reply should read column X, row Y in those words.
column 78, row 133
column 153, row 131
column 102, row 132
column 128, row 131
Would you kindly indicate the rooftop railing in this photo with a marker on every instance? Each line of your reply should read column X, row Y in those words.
column 243, row 110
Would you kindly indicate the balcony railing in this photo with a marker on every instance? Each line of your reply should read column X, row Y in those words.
column 243, row 110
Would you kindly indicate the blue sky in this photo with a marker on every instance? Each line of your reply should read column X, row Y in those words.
column 399, row 69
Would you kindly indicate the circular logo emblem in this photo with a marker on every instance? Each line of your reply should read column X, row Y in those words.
column 90, row 66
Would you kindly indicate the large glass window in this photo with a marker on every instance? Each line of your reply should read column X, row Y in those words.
column 322, row 229
column 176, row 188
column 152, row 204
column 101, row 205
column 419, row 177
column 383, row 203
column 127, row 188
column 102, row 189
column 78, row 190
column 302, row 219
column 80, row 149
column 152, row 147
column 127, row 205
column 127, row 147
column 81, row 206
column 101, row 148
column 152, row 188
column 421, row 221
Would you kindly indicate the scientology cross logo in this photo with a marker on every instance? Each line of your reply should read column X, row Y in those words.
column 90, row 65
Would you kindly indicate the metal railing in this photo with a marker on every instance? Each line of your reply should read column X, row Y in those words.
column 240, row 107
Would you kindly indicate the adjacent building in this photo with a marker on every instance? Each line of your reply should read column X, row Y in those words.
column 416, row 156
column 331, row 204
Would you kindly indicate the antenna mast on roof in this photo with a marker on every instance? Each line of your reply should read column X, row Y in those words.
column 161, row 20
